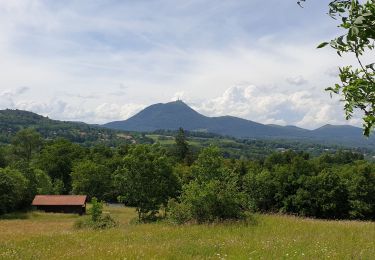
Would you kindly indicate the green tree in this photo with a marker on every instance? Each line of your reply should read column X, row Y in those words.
column 26, row 143
column 57, row 159
column 44, row 182
column 3, row 160
column 92, row 179
column 360, row 182
column 209, row 165
column 182, row 146
column 213, row 193
column 58, row 187
column 13, row 186
column 146, row 180
column 31, row 188
column 260, row 187
column 323, row 196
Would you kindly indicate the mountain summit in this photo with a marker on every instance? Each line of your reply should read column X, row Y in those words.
column 172, row 115
column 163, row 116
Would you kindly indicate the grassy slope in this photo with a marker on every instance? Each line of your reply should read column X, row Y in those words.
column 51, row 236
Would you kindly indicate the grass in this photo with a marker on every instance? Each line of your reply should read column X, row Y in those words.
column 52, row 236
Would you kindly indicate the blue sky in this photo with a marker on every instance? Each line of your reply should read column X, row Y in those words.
column 98, row 61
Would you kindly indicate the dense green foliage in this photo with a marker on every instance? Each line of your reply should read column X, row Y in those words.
column 145, row 180
column 213, row 193
column 322, row 187
column 13, row 187
column 210, row 187
column 92, row 179
column 182, row 146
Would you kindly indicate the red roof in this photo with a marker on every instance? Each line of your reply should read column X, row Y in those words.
column 59, row 200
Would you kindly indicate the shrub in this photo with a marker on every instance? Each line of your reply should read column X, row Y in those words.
column 104, row 222
column 179, row 213
column 96, row 209
column 97, row 220
column 213, row 200
column 213, row 194
column 13, row 186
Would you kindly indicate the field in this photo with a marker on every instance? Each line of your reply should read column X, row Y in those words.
column 52, row 236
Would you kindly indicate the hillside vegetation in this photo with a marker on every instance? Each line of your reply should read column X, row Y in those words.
column 52, row 236
column 195, row 186
column 11, row 121
column 251, row 148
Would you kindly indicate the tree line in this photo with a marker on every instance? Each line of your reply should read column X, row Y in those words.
column 186, row 185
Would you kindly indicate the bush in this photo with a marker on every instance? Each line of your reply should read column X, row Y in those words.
column 97, row 220
column 104, row 222
column 13, row 187
column 96, row 210
column 213, row 200
column 179, row 213
column 212, row 195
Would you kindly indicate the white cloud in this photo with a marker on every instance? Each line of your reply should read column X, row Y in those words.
column 110, row 112
column 178, row 96
column 297, row 80
column 7, row 97
column 301, row 108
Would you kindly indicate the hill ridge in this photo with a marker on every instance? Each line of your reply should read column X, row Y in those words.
column 175, row 114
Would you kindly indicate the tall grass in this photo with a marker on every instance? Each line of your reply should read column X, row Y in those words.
column 52, row 236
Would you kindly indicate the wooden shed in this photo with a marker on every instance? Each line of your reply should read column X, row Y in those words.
column 61, row 203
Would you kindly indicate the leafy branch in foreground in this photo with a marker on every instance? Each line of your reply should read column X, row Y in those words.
column 357, row 86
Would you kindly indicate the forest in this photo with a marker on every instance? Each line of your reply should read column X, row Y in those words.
column 187, row 185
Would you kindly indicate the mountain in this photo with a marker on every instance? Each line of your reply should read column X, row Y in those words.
column 11, row 121
column 172, row 115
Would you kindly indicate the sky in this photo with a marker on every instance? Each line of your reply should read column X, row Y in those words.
column 98, row 61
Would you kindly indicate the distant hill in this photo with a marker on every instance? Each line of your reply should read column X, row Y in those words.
column 11, row 121
column 172, row 115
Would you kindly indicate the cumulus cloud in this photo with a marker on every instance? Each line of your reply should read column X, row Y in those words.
column 297, row 80
column 65, row 109
column 62, row 110
column 7, row 97
column 110, row 112
column 301, row 108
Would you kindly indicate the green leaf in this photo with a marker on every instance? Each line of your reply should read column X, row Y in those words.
column 367, row 14
column 322, row 45
column 354, row 31
column 359, row 20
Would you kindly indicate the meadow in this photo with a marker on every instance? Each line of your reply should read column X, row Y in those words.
column 37, row 235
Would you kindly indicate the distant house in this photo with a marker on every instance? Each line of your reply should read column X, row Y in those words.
column 61, row 203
